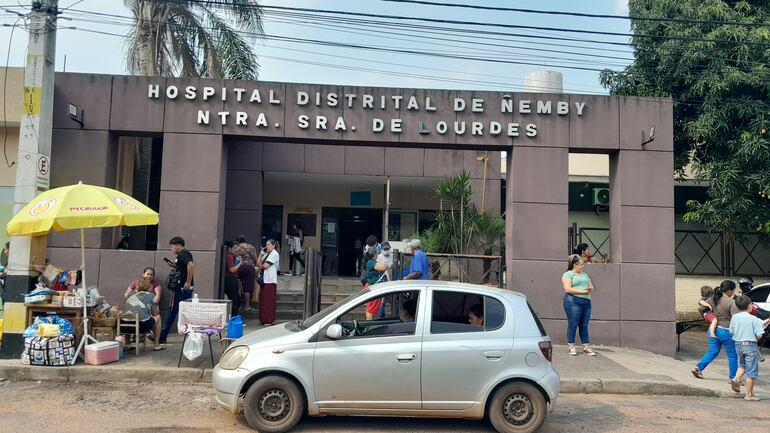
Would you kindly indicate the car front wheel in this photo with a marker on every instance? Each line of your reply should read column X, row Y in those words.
column 273, row 404
column 517, row 408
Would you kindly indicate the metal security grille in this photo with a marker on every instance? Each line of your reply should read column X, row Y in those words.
column 696, row 252
column 462, row 268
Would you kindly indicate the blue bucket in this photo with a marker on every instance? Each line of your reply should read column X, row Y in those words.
column 235, row 327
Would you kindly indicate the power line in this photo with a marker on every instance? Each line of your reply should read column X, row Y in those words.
column 456, row 57
column 506, row 54
column 5, row 95
column 581, row 14
column 498, row 25
column 687, row 102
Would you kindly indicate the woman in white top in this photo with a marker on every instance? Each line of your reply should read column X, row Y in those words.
column 295, row 248
column 267, row 293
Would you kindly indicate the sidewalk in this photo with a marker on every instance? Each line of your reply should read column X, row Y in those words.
column 613, row 371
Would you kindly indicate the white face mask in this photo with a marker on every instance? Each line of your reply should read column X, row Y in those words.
column 386, row 253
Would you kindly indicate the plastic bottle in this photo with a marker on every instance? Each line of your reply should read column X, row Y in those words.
column 235, row 327
column 195, row 298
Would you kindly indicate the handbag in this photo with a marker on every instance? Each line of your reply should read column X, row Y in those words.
column 260, row 278
column 174, row 280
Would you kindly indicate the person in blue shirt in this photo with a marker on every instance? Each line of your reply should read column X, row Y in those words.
column 419, row 269
column 746, row 330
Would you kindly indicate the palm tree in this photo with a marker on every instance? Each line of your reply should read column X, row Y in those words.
column 194, row 38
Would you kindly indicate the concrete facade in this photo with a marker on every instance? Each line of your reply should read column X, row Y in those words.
column 212, row 173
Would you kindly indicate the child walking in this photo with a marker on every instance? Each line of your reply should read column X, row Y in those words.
column 746, row 330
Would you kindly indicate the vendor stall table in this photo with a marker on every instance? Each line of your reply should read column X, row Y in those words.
column 74, row 315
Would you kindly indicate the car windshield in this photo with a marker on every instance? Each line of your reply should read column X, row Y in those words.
column 315, row 318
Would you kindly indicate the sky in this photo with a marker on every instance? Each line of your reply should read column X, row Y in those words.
column 312, row 63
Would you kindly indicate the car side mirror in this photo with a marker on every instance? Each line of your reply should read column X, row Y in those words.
column 334, row 331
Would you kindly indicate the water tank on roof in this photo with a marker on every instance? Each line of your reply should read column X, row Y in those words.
column 544, row 82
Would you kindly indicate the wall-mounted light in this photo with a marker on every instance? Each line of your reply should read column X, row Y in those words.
column 73, row 114
column 646, row 140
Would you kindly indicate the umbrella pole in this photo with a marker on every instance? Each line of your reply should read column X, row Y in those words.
column 85, row 337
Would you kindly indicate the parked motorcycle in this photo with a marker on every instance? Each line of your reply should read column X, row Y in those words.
column 760, row 297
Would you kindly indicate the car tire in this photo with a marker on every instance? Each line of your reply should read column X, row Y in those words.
column 517, row 407
column 273, row 404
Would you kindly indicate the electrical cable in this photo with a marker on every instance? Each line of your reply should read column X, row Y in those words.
column 345, row 45
column 581, row 14
column 421, row 29
column 688, row 102
column 5, row 95
column 333, row 44
column 485, row 24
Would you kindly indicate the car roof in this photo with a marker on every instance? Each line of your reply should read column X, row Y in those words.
column 436, row 284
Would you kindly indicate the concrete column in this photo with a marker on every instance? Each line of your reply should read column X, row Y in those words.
column 33, row 169
column 536, row 226
column 642, row 241
column 243, row 204
column 192, row 204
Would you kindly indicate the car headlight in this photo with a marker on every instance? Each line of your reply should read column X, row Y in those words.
column 233, row 358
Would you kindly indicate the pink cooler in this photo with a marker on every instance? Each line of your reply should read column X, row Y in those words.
column 103, row 352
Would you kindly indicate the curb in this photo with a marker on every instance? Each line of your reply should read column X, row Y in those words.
column 87, row 374
column 96, row 374
column 637, row 387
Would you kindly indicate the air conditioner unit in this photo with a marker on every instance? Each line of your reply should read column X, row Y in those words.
column 601, row 197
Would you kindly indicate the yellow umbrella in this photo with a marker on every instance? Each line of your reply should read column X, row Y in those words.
column 77, row 207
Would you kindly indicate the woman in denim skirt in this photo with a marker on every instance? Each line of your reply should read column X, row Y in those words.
column 577, row 303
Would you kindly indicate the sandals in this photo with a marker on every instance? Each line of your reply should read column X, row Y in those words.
column 587, row 350
column 697, row 372
column 572, row 351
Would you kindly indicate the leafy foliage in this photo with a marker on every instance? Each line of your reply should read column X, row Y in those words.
column 720, row 92
column 194, row 38
column 460, row 228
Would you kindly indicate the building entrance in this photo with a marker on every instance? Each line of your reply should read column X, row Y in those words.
column 344, row 229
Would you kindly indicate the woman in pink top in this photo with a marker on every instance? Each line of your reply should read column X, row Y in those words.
column 147, row 283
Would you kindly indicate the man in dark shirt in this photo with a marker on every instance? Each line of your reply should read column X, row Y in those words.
column 184, row 265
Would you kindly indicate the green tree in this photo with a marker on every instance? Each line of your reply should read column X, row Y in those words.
column 460, row 228
column 720, row 91
column 194, row 38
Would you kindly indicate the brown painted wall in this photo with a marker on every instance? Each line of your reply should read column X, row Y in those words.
column 634, row 301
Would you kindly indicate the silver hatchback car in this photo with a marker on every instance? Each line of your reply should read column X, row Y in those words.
column 408, row 348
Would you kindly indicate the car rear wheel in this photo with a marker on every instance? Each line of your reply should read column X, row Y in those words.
column 517, row 408
column 273, row 404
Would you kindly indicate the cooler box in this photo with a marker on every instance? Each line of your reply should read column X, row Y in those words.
column 103, row 352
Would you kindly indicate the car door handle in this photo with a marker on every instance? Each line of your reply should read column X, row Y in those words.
column 493, row 355
column 406, row 357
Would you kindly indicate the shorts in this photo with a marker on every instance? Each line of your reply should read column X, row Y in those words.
column 748, row 357
column 145, row 326
column 373, row 307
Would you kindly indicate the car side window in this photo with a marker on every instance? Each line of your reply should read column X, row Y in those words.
column 460, row 312
column 494, row 314
column 390, row 314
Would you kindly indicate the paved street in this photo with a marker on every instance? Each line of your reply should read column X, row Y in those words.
column 159, row 408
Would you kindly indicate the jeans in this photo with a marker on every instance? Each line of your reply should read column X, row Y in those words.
column 724, row 338
column 578, row 312
column 179, row 296
column 294, row 258
column 748, row 357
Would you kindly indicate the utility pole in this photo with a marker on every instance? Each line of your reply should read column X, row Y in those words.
column 33, row 167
